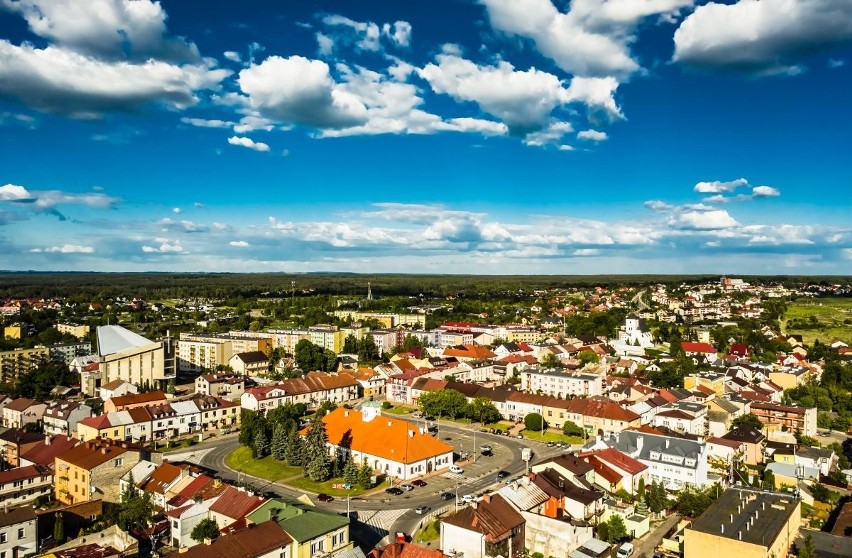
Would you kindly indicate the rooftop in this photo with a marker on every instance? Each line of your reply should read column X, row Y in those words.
column 756, row 517
column 114, row 339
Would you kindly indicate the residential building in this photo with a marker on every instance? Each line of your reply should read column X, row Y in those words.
column 567, row 496
column 597, row 415
column 116, row 388
column 66, row 352
column 752, row 443
column 312, row 389
column 775, row 416
column 560, row 383
column 745, row 524
column 229, row 386
column 16, row 442
column 314, row 531
column 700, row 349
column 394, row 447
column 133, row 400
column 683, row 417
column 159, row 481
column 124, row 355
column 676, row 462
column 93, row 470
column 266, row 540
column 17, row 361
column 24, row 484
column 488, row 528
column 183, row 520
column 44, row 452
column 615, row 471
column 62, row 416
column 252, row 363
column 18, row 532
column 370, row 382
column 77, row 330
column 233, row 505
column 22, row 411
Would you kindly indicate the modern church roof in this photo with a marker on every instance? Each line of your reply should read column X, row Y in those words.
column 113, row 339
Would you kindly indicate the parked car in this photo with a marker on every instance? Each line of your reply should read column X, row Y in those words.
column 393, row 490
column 406, row 487
column 420, row 510
column 502, row 475
column 456, row 469
column 625, row 551
column 324, row 498
column 419, row 482
column 468, row 498
column 447, row 496
column 485, row 447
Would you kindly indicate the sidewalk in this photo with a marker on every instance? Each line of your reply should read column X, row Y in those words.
column 649, row 545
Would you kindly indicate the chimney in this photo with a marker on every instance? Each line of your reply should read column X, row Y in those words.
column 346, row 414
column 732, row 518
column 487, row 498
column 411, row 433
column 104, row 451
column 667, row 443
column 740, row 534
column 47, row 439
column 723, row 528
column 390, row 423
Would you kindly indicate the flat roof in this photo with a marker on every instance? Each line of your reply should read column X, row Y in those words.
column 758, row 517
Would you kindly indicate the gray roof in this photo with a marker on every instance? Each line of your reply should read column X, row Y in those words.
column 639, row 445
column 114, row 339
column 757, row 516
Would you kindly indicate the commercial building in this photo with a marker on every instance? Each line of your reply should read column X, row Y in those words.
column 124, row 355
column 745, row 524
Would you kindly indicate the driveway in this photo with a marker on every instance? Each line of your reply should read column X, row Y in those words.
column 650, row 542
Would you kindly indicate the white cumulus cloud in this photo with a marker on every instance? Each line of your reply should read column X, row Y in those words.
column 592, row 135
column 249, row 143
column 65, row 249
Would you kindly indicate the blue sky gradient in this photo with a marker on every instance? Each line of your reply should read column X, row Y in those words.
column 453, row 136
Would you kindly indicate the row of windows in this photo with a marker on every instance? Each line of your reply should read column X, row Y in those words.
column 4, row 536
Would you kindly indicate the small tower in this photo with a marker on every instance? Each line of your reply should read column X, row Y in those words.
column 369, row 291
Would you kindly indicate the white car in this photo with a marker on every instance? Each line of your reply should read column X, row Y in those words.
column 625, row 551
column 468, row 498
column 456, row 469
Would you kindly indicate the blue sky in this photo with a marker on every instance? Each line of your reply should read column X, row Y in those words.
column 449, row 136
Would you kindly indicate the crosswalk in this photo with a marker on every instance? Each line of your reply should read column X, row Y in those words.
column 379, row 521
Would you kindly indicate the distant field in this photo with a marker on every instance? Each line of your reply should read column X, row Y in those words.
column 826, row 319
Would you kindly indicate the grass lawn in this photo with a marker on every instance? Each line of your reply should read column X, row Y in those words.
column 183, row 444
column 399, row 410
column 431, row 532
column 499, row 426
column 547, row 436
column 833, row 318
column 267, row 468
column 326, row 487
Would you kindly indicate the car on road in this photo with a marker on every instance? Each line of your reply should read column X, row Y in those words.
column 468, row 498
column 406, row 487
column 420, row 510
column 519, row 436
column 550, row 444
column 625, row 551
column 393, row 491
column 824, row 433
column 447, row 496
column 419, row 482
column 456, row 469
column 325, row 498
column 502, row 475
column 485, row 447
column 488, row 453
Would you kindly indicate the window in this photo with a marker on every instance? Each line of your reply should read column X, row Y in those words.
column 2, row 538
column 20, row 533
column 119, row 461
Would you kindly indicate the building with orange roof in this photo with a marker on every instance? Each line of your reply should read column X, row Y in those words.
column 160, row 481
column 93, row 470
column 132, row 400
column 233, row 505
column 395, row 447
column 616, row 469
column 312, row 389
column 599, row 414
column 469, row 352
column 370, row 382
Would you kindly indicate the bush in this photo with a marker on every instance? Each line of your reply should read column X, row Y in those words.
column 387, row 405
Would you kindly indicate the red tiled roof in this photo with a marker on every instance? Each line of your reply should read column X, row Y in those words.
column 601, row 407
column 137, row 398
column 675, row 413
column 98, row 423
column 693, row 347
column 235, row 503
column 44, row 454
column 604, row 470
column 619, row 460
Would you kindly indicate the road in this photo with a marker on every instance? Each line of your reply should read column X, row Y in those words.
column 388, row 514
column 649, row 545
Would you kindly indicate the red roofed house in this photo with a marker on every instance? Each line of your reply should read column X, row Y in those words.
column 264, row 540
column 45, row 451
column 465, row 353
column 615, row 470
column 739, row 350
column 24, row 484
column 599, row 414
column 132, row 400
column 233, row 505
column 695, row 349
column 491, row 527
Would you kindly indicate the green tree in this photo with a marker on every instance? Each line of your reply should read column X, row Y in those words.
column 350, row 345
column 617, row 529
column 136, row 513
column 769, row 479
column 749, row 419
column 571, row 429
column 313, row 357
column 481, row 409
column 550, row 361
column 534, row 421
column 278, row 447
column 350, row 472
column 58, row 528
column 588, row 357
column 205, row 529
column 365, row 476
column 295, row 450
column 316, row 464
column 447, row 402
column 808, row 549
column 260, row 447
column 656, row 497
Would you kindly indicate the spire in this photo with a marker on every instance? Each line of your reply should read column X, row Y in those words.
column 369, row 292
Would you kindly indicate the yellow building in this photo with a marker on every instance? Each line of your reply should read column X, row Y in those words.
column 328, row 337
column 745, row 524
column 14, row 331
column 790, row 378
column 712, row 381
column 92, row 470
column 17, row 361
column 124, row 355
column 78, row 331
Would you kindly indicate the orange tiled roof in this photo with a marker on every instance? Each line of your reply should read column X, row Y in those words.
column 389, row 438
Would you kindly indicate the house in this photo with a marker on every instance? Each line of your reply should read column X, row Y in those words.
column 775, row 416
column 18, row 531
column 823, row 459
column 45, row 450
column 370, row 382
column 62, row 416
column 15, row 442
column 682, row 416
column 93, row 470
column 696, row 349
column 721, row 453
column 395, row 447
column 675, row 462
column 752, row 443
column 21, row 411
column 116, row 388
column 565, row 496
column 159, row 481
column 252, row 363
column 489, row 527
column 615, row 470
column 182, row 521
column 229, row 386
column 560, row 383
column 399, row 549
column 232, row 506
column 312, row 389
column 266, row 540
column 314, row 531
column 601, row 415
column 133, row 400
column 469, row 352
column 745, row 524
column 24, row 484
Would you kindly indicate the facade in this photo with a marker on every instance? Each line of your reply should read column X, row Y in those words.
column 775, row 416
column 78, row 331
column 23, row 411
column 133, row 400
column 560, row 383
column 634, row 332
column 24, row 484
column 395, row 447
column 312, row 390
column 93, row 470
column 314, row 531
column 266, row 540
column 229, row 386
column 61, row 417
column 746, row 524
column 598, row 415
column 18, row 532
column 126, row 356
column 17, row 361
column 116, row 388
column 252, row 363
column 66, row 352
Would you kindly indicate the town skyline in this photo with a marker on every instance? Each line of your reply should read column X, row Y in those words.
column 485, row 137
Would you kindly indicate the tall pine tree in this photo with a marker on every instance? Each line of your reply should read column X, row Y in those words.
column 365, row 476
column 260, row 448
column 316, row 465
column 294, row 452
column 279, row 442
column 350, row 472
